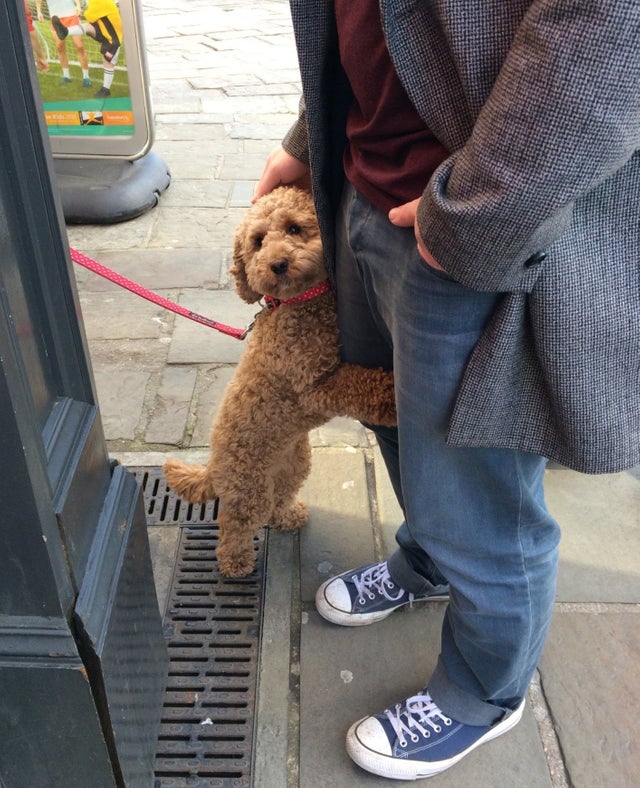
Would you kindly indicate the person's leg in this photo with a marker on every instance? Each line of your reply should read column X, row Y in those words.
column 109, row 70
column 365, row 339
column 41, row 60
column 109, row 53
column 63, row 57
column 82, row 53
column 369, row 593
column 475, row 515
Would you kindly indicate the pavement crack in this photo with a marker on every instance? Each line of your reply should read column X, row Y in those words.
column 548, row 735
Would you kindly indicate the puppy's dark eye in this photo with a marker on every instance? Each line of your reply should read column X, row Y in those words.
column 293, row 229
column 257, row 241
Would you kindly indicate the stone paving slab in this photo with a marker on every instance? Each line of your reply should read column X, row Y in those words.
column 600, row 547
column 114, row 388
column 589, row 673
column 197, row 193
column 276, row 745
column 118, row 314
column 138, row 354
column 340, row 432
column 212, row 384
column 347, row 673
column 206, row 229
column 161, row 270
column 338, row 535
column 167, row 131
column 193, row 343
column 389, row 513
column 171, row 410
column 127, row 235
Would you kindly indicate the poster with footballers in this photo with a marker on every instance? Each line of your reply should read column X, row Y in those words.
column 91, row 71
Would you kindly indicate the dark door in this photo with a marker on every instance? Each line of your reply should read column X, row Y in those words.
column 82, row 657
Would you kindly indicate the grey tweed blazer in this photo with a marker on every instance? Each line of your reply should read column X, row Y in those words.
column 539, row 105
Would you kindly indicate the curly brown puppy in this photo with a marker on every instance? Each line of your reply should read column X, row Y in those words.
column 289, row 380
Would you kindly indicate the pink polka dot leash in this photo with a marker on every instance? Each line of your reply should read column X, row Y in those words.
column 149, row 295
column 134, row 287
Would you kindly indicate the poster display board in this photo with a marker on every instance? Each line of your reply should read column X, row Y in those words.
column 91, row 67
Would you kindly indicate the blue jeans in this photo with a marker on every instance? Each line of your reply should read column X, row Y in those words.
column 474, row 517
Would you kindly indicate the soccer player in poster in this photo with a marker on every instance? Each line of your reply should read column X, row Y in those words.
column 38, row 53
column 68, row 13
column 103, row 22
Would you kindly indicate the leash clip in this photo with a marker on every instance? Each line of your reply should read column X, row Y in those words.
column 249, row 327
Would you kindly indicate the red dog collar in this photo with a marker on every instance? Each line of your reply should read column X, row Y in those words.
column 312, row 292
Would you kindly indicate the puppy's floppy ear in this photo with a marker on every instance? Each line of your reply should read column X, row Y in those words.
column 238, row 271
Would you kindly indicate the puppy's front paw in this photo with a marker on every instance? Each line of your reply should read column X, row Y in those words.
column 386, row 415
column 383, row 399
column 290, row 519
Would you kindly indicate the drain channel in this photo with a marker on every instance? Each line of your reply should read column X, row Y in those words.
column 212, row 626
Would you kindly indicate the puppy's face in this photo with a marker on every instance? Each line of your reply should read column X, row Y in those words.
column 277, row 248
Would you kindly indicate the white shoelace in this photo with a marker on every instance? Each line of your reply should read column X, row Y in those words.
column 420, row 714
column 378, row 579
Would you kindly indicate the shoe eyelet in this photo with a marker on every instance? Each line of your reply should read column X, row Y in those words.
column 437, row 728
column 371, row 595
column 415, row 738
column 447, row 721
column 402, row 743
column 361, row 600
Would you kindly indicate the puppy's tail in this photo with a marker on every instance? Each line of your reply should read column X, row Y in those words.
column 191, row 482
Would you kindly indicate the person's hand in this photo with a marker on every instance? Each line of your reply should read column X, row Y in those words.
column 282, row 169
column 406, row 216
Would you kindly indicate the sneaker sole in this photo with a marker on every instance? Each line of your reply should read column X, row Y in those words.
column 405, row 769
column 345, row 619
column 335, row 616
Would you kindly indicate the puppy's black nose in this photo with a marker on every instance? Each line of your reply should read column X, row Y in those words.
column 280, row 268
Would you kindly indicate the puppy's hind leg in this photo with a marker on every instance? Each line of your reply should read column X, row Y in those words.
column 235, row 552
column 191, row 482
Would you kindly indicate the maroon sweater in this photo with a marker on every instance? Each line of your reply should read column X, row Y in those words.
column 391, row 154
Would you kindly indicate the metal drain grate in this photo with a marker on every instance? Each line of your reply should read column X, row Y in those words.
column 164, row 507
column 212, row 626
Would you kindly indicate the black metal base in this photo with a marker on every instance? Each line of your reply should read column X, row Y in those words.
column 106, row 191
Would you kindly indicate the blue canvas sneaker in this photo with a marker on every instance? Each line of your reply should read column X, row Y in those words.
column 416, row 739
column 366, row 595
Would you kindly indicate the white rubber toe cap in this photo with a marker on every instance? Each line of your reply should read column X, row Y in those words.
column 336, row 594
column 369, row 747
column 333, row 601
column 368, row 736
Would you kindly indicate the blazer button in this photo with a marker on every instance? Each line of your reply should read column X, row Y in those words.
column 535, row 259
